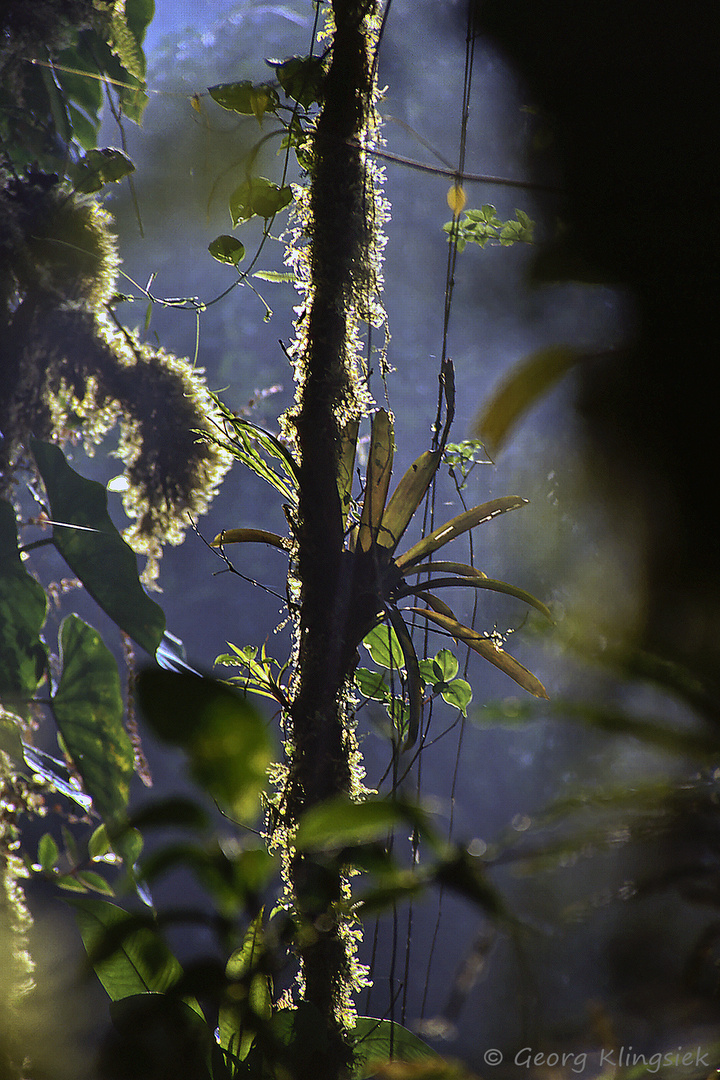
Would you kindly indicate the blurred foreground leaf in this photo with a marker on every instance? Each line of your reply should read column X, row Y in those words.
column 225, row 738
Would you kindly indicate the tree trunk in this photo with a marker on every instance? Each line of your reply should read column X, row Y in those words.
column 339, row 235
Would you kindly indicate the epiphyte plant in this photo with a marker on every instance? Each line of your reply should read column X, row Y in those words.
column 376, row 577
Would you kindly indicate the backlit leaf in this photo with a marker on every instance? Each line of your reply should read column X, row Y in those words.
column 384, row 647
column 250, row 99
column 139, row 962
column 23, row 605
column 379, row 1041
column 227, row 249
column 407, row 497
column 88, row 707
column 258, row 196
column 95, row 551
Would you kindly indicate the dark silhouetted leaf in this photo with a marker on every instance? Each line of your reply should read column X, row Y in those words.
column 95, row 551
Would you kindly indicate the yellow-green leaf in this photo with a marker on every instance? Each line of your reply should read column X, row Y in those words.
column 457, row 526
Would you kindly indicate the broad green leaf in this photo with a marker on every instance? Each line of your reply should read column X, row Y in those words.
column 376, row 1042
column 88, row 707
column 339, row 822
column 371, row 684
column 301, row 77
column 227, row 249
column 446, row 664
column 526, row 384
column 463, row 873
column 23, row 606
column 129, row 957
column 99, row 167
column 95, row 551
column 457, row 693
column 247, row 98
column 486, row 648
column 236, row 1027
column 379, row 471
column 175, row 812
column 258, row 196
column 225, row 738
column 407, row 498
column 456, row 526
column 383, row 645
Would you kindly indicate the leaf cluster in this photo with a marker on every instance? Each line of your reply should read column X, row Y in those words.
column 484, row 227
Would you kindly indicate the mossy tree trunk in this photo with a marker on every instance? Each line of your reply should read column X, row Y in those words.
column 340, row 230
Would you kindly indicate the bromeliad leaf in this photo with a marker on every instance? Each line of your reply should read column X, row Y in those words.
column 258, row 196
column 474, row 582
column 250, row 536
column 406, row 498
column 486, row 648
column 457, row 526
column 379, row 471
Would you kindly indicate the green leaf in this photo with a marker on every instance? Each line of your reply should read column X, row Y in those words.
column 446, row 665
column 379, row 1041
column 235, row 1025
column 91, row 880
column 227, row 249
column 139, row 961
column 23, row 606
column 99, row 167
column 301, row 77
column 226, row 740
column 250, row 99
column 458, row 694
column 94, row 550
column 48, row 853
column 88, row 707
column 258, row 196
column 371, row 684
column 526, row 384
column 383, row 645
column 458, row 525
